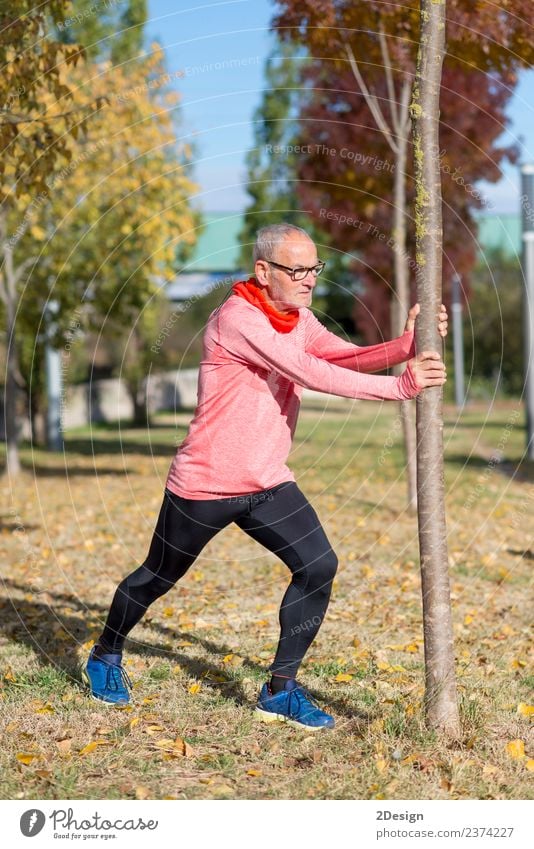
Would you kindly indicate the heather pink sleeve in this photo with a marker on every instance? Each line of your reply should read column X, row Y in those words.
column 327, row 346
column 248, row 337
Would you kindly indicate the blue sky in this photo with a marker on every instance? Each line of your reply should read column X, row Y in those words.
column 222, row 46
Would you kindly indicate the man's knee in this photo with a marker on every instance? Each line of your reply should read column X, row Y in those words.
column 322, row 571
column 146, row 581
column 328, row 564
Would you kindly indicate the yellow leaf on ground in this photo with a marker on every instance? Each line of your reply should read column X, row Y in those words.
column 194, row 688
column 26, row 757
column 142, row 792
column 525, row 710
column 381, row 765
column 343, row 676
column 516, row 749
column 164, row 743
column 530, row 765
column 168, row 611
column 254, row 772
column 468, row 619
column 46, row 708
column 410, row 759
column 89, row 748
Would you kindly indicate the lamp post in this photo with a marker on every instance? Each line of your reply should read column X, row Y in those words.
column 527, row 216
column 54, row 436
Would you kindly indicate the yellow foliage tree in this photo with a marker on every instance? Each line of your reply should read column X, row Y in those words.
column 115, row 221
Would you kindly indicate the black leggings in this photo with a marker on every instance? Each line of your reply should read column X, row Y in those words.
column 281, row 519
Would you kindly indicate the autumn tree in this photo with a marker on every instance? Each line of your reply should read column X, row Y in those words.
column 355, row 107
column 37, row 123
column 116, row 221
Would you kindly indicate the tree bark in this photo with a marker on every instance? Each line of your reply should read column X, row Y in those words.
column 9, row 278
column 401, row 303
column 441, row 701
column 11, row 393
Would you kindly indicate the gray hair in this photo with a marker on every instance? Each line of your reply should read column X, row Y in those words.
column 268, row 239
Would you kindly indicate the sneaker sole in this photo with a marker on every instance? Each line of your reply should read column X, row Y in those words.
column 268, row 716
column 105, row 702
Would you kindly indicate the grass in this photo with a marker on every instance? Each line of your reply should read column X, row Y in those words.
column 76, row 523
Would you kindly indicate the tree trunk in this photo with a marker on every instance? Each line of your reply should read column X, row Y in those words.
column 11, row 398
column 38, row 421
column 441, row 701
column 401, row 303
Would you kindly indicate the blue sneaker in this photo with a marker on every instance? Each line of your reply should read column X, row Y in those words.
column 294, row 705
column 107, row 679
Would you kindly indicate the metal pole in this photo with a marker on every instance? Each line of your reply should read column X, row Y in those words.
column 54, row 436
column 527, row 215
column 458, row 341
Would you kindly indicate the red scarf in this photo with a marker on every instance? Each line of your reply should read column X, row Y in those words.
column 281, row 321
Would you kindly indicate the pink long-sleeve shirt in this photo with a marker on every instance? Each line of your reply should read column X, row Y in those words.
column 249, row 388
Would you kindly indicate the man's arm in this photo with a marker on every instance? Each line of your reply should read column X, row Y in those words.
column 247, row 336
column 325, row 345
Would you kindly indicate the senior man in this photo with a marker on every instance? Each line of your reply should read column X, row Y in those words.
column 261, row 346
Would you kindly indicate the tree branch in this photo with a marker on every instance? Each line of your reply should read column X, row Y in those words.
column 371, row 100
column 389, row 80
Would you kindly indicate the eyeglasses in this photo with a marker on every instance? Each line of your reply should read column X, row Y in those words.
column 299, row 273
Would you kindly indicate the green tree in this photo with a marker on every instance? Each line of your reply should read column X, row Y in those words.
column 271, row 176
column 493, row 337
column 272, row 181
column 105, row 31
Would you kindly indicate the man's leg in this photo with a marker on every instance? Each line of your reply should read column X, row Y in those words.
column 288, row 526
column 183, row 528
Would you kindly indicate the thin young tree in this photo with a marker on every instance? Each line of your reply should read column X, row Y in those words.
column 395, row 130
column 441, row 702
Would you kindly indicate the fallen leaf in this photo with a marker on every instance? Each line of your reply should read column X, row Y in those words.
column 43, row 773
column 525, row 710
column 343, row 676
column 194, row 688
column 26, row 758
column 516, row 749
column 254, row 772
column 530, row 765
column 93, row 745
column 142, row 792
column 45, row 708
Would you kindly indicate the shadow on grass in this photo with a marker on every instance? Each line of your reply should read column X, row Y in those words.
column 54, row 636
column 520, row 470
column 526, row 554
column 73, row 471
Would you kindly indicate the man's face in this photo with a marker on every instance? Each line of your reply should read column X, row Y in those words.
column 278, row 287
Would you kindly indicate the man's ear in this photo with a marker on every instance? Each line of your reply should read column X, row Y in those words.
column 261, row 270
